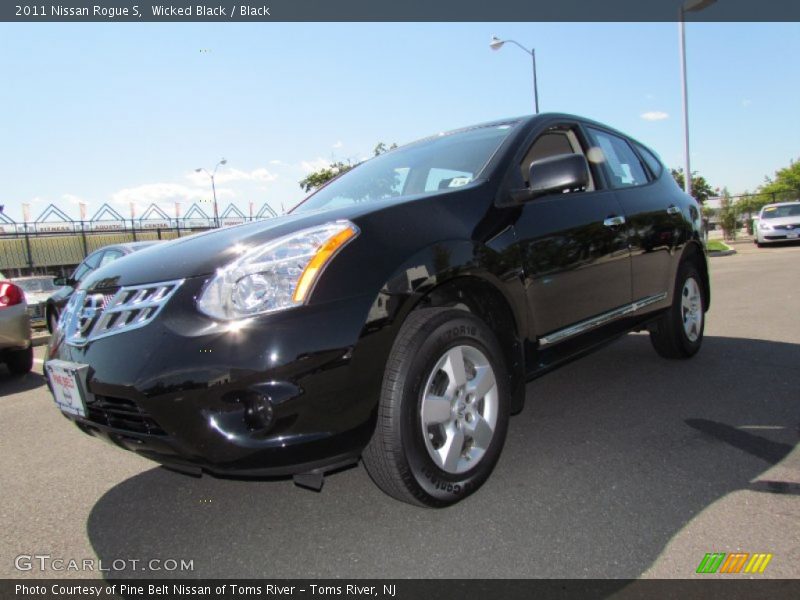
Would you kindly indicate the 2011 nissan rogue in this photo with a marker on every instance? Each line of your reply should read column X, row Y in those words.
column 394, row 316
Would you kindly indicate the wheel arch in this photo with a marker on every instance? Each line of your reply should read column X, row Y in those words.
column 485, row 300
column 455, row 273
column 695, row 252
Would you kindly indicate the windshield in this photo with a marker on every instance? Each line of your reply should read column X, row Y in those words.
column 776, row 212
column 40, row 284
column 442, row 162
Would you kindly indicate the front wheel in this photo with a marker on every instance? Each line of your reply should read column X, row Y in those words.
column 679, row 332
column 443, row 411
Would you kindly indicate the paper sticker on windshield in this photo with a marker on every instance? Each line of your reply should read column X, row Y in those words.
column 771, row 209
column 458, row 181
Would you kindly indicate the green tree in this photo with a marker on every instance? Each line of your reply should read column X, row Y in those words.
column 322, row 176
column 785, row 186
column 728, row 215
column 701, row 190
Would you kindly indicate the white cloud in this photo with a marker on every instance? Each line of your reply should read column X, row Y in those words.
column 654, row 115
column 338, row 144
column 157, row 192
column 278, row 163
column 746, row 102
column 73, row 199
column 260, row 174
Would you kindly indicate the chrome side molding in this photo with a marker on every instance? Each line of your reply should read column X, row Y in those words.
column 600, row 320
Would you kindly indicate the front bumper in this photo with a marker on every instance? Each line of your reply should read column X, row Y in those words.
column 181, row 390
column 775, row 236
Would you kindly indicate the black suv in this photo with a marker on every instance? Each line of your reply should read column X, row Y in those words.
column 394, row 316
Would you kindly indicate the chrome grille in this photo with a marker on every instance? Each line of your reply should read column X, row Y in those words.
column 91, row 316
column 36, row 311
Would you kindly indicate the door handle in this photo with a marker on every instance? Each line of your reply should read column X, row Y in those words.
column 614, row 221
column 673, row 210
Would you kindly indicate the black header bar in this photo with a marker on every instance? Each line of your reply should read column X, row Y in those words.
column 67, row 11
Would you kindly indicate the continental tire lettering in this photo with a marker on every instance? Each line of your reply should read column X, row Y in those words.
column 444, row 486
column 461, row 331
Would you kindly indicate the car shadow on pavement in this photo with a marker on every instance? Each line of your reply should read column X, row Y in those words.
column 16, row 384
column 612, row 456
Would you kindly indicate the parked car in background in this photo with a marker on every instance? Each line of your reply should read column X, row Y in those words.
column 15, row 329
column 779, row 222
column 99, row 258
column 394, row 316
column 38, row 289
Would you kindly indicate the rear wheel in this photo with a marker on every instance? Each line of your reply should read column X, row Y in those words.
column 679, row 332
column 20, row 362
column 443, row 412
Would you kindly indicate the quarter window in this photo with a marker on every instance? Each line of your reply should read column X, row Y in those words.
column 621, row 163
column 653, row 162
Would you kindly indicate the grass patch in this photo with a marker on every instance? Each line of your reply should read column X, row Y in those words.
column 717, row 246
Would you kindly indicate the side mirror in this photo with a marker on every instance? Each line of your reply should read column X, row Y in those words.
column 554, row 175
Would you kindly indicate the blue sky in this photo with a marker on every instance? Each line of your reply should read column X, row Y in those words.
column 125, row 112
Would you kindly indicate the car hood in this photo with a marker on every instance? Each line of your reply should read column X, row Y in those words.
column 782, row 221
column 36, row 297
column 201, row 254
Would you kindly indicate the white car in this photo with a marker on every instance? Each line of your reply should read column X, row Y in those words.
column 779, row 222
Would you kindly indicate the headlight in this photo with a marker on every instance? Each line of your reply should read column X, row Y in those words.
column 278, row 275
column 763, row 225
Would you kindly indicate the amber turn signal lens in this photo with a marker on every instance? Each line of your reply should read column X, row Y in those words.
column 323, row 256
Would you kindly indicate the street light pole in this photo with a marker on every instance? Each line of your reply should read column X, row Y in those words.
column 213, row 187
column 687, row 6
column 687, row 171
column 496, row 43
column 535, row 87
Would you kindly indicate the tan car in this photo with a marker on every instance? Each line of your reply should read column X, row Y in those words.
column 15, row 329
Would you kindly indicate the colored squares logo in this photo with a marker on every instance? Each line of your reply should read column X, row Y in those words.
column 735, row 562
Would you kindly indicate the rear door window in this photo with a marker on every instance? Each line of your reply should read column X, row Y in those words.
column 620, row 162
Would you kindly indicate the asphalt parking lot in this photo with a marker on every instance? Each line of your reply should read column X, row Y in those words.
column 621, row 465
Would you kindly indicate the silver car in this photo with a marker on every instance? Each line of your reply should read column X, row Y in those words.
column 15, row 329
column 779, row 222
column 37, row 288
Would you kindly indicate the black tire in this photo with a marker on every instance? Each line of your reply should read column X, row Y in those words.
column 20, row 362
column 669, row 336
column 759, row 244
column 397, row 458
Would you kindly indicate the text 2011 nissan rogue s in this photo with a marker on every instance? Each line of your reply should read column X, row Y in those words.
column 394, row 316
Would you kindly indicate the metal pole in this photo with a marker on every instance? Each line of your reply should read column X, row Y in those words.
column 214, row 191
column 687, row 174
column 28, row 246
column 535, row 88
